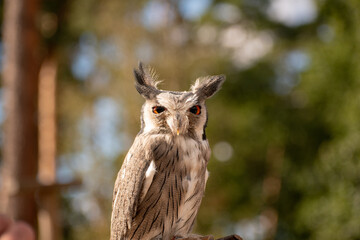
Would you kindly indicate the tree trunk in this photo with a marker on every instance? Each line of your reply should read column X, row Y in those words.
column 20, row 75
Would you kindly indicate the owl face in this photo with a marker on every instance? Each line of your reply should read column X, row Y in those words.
column 176, row 113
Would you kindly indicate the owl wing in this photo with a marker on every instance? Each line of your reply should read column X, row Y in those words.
column 127, row 187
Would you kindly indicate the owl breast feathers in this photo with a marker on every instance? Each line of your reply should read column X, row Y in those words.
column 160, row 185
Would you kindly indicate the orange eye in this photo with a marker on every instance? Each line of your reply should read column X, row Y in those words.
column 195, row 109
column 158, row 109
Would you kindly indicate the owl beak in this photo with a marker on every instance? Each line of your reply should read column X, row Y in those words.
column 175, row 124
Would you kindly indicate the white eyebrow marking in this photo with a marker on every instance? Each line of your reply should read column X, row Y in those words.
column 192, row 98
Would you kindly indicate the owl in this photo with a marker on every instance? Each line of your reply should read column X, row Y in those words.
column 159, row 188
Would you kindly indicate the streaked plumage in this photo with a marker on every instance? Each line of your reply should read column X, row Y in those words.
column 160, row 185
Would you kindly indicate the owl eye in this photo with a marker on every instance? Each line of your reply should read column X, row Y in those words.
column 195, row 109
column 158, row 109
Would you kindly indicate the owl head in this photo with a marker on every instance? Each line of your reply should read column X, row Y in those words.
column 175, row 113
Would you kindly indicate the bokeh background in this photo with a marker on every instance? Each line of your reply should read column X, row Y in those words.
column 284, row 129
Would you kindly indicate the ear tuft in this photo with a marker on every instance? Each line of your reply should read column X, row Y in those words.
column 145, row 81
column 206, row 87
